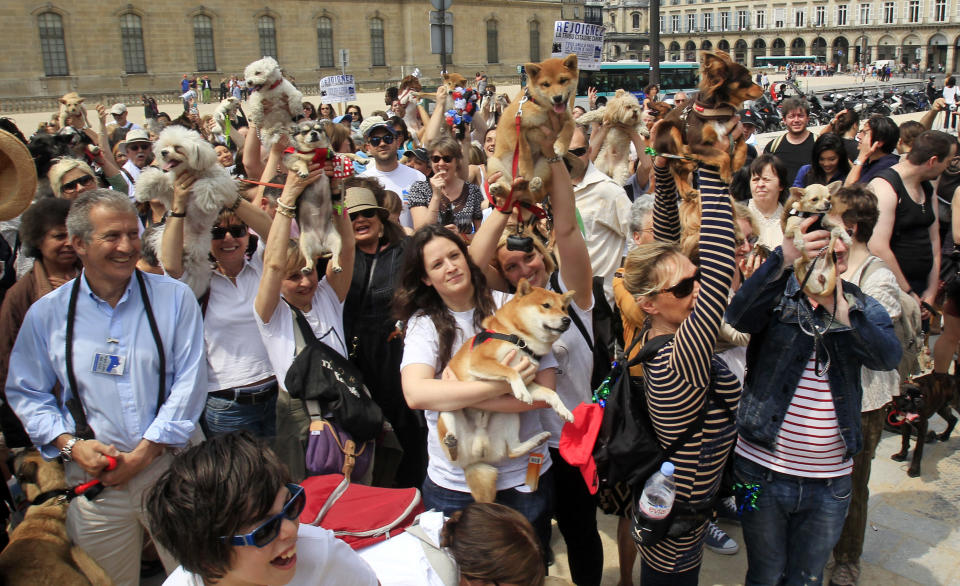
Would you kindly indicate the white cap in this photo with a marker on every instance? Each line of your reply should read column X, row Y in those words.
column 667, row 468
column 118, row 109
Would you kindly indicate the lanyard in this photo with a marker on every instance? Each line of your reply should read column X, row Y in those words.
column 75, row 404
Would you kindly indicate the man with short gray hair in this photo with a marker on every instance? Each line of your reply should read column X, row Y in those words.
column 125, row 351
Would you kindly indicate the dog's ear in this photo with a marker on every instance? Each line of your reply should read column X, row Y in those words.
column 619, row 94
column 523, row 287
column 834, row 187
column 570, row 61
column 798, row 192
column 28, row 472
column 533, row 69
column 63, row 100
column 567, row 297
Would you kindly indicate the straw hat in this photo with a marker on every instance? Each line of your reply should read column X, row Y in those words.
column 18, row 176
column 358, row 199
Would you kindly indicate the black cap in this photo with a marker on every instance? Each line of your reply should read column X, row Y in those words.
column 419, row 153
column 748, row 116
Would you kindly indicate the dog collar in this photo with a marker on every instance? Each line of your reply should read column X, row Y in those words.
column 517, row 341
column 319, row 155
column 709, row 112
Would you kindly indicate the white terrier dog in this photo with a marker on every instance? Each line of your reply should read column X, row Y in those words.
column 622, row 116
column 273, row 101
column 179, row 149
column 225, row 110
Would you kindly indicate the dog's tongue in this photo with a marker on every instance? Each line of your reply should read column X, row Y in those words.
column 169, row 165
column 559, row 108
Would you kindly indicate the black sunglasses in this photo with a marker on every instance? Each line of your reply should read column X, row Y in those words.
column 385, row 139
column 220, row 232
column 438, row 158
column 141, row 146
column 269, row 529
column 685, row 287
column 752, row 239
column 367, row 213
column 578, row 152
column 86, row 181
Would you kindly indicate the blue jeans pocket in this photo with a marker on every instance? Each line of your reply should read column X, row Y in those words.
column 841, row 488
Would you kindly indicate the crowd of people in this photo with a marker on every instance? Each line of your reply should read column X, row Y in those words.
column 777, row 395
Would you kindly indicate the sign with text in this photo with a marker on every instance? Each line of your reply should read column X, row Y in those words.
column 586, row 40
column 337, row 88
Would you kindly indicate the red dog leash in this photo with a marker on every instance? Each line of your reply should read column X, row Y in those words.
column 90, row 489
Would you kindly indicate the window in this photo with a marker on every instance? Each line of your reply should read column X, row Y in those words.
column 267, row 30
column 708, row 21
column 842, row 15
column 325, row 42
column 675, row 23
column 821, row 16
column 131, row 36
column 534, row 41
column 203, row 42
column 663, row 23
column 377, row 54
column 54, row 50
column 493, row 55
column 636, row 20
column 691, row 23
column 725, row 21
column 779, row 16
column 743, row 20
column 913, row 11
column 889, row 12
column 593, row 14
column 864, row 14
column 799, row 17
column 760, row 18
column 940, row 10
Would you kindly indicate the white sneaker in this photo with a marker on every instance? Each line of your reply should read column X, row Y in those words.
column 717, row 540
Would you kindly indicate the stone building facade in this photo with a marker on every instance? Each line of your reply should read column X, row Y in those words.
column 109, row 46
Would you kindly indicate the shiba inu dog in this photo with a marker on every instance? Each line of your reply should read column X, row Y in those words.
column 474, row 439
column 552, row 86
column 814, row 200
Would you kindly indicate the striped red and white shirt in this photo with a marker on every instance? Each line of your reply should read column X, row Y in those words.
column 809, row 442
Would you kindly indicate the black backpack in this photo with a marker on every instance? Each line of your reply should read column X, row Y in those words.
column 605, row 321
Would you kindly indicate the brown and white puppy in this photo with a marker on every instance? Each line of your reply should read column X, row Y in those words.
column 552, row 86
column 919, row 399
column 814, row 200
column 474, row 439
column 40, row 551
column 621, row 115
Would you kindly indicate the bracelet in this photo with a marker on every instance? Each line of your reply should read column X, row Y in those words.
column 67, row 451
column 554, row 159
column 236, row 204
column 288, row 211
column 173, row 214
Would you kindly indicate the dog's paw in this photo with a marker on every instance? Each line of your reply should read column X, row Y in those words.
column 536, row 184
column 899, row 457
column 944, row 437
column 337, row 269
column 499, row 188
column 913, row 472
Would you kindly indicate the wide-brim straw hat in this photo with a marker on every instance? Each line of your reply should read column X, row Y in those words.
column 18, row 176
column 358, row 199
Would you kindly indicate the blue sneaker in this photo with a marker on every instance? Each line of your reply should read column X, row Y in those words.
column 727, row 510
column 717, row 540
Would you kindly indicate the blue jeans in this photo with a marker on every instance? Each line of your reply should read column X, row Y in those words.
column 536, row 506
column 224, row 415
column 796, row 523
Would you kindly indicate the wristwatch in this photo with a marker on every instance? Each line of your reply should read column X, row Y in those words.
column 857, row 162
column 66, row 452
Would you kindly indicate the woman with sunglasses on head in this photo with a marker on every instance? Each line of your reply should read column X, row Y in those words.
column 446, row 198
column 688, row 389
column 372, row 335
column 241, row 388
column 228, row 511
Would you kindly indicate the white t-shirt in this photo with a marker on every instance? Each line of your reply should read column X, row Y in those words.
column 236, row 355
column 325, row 318
column 950, row 94
column 322, row 560
column 401, row 560
column 421, row 346
column 398, row 181
column 574, row 369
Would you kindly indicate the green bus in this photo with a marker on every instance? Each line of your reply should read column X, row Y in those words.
column 634, row 77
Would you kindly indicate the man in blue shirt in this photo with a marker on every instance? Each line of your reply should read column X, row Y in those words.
column 126, row 352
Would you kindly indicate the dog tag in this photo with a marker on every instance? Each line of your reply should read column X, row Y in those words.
column 108, row 364
column 533, row 470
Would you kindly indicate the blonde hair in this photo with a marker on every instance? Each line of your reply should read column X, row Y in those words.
column 61, row 168
column 295, row 258
column 538, row 245
column 650, row 267
column 742, row 212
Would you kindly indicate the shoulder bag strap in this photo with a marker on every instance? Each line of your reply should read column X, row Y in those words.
column 555, row 283
column 302, row 333
column 156, row 339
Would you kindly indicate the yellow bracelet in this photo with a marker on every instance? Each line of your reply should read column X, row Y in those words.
column 288, row 211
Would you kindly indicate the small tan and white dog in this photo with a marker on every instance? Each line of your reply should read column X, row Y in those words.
column 179, row 149
column 814, row 200
column 274, row 102
column 71, row 106
column 227, row 108
column 474, row 439
column 621, row 115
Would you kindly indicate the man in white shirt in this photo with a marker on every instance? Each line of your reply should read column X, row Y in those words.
column 137, row 146
column 382, row 145
column 119, row 112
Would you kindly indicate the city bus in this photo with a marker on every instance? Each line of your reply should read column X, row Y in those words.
column 634, row 77
column 782, row 60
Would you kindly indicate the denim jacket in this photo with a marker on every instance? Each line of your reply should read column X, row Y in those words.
column 779, row 350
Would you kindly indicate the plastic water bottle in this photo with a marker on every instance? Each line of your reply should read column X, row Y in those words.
column 657, row 498
column 653, row 507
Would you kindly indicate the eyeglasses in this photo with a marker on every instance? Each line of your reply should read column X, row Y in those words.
column 438, row 158
column 86, row 181
column 138, row 146
column 751, row 239
column 385, row 139
column 578, row 152
column 367, row 213
column 684, row 288
column 220, row 232
column 269, row 529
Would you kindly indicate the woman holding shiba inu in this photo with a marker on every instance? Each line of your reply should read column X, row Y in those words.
column 686, row 385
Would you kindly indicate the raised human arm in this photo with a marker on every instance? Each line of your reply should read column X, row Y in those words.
column 269, row 169
column 171, row 244
column 105, row 157
column 434, row 125
column 252, row 160
column 939, row 105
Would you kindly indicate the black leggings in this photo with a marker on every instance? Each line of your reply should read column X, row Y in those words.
column 651, row 577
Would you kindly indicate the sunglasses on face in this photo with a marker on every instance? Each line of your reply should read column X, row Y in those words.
column 138, row 146
column 685, row 287
column 751, row 239
column 86, row 181
column 367, row 213
column 220, row 232
column 438, row 158
column 269, row 529
column 385, row 139
column 579, row 151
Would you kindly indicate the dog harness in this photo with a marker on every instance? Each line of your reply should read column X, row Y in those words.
column 90, row 489
column 342, row 166
column 705, row 112
column 485, row 335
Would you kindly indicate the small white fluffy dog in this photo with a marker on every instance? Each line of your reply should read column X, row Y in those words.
column 179, row 149
column 71, row 105
column 273, row 101
column 227, row 108
column 622, row 113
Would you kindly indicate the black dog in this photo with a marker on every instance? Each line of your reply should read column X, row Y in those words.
column 919, row 399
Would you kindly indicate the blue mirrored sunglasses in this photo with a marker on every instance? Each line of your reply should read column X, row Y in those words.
column 269, row 529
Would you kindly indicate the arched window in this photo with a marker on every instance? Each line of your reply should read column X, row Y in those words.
column 377, row 53
column 493, row 56
column 54, row 50
column 534, row 41
column 267, row 27
column 325, row 41
column 203, row 43
column 131, row 35
column 636, row 20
